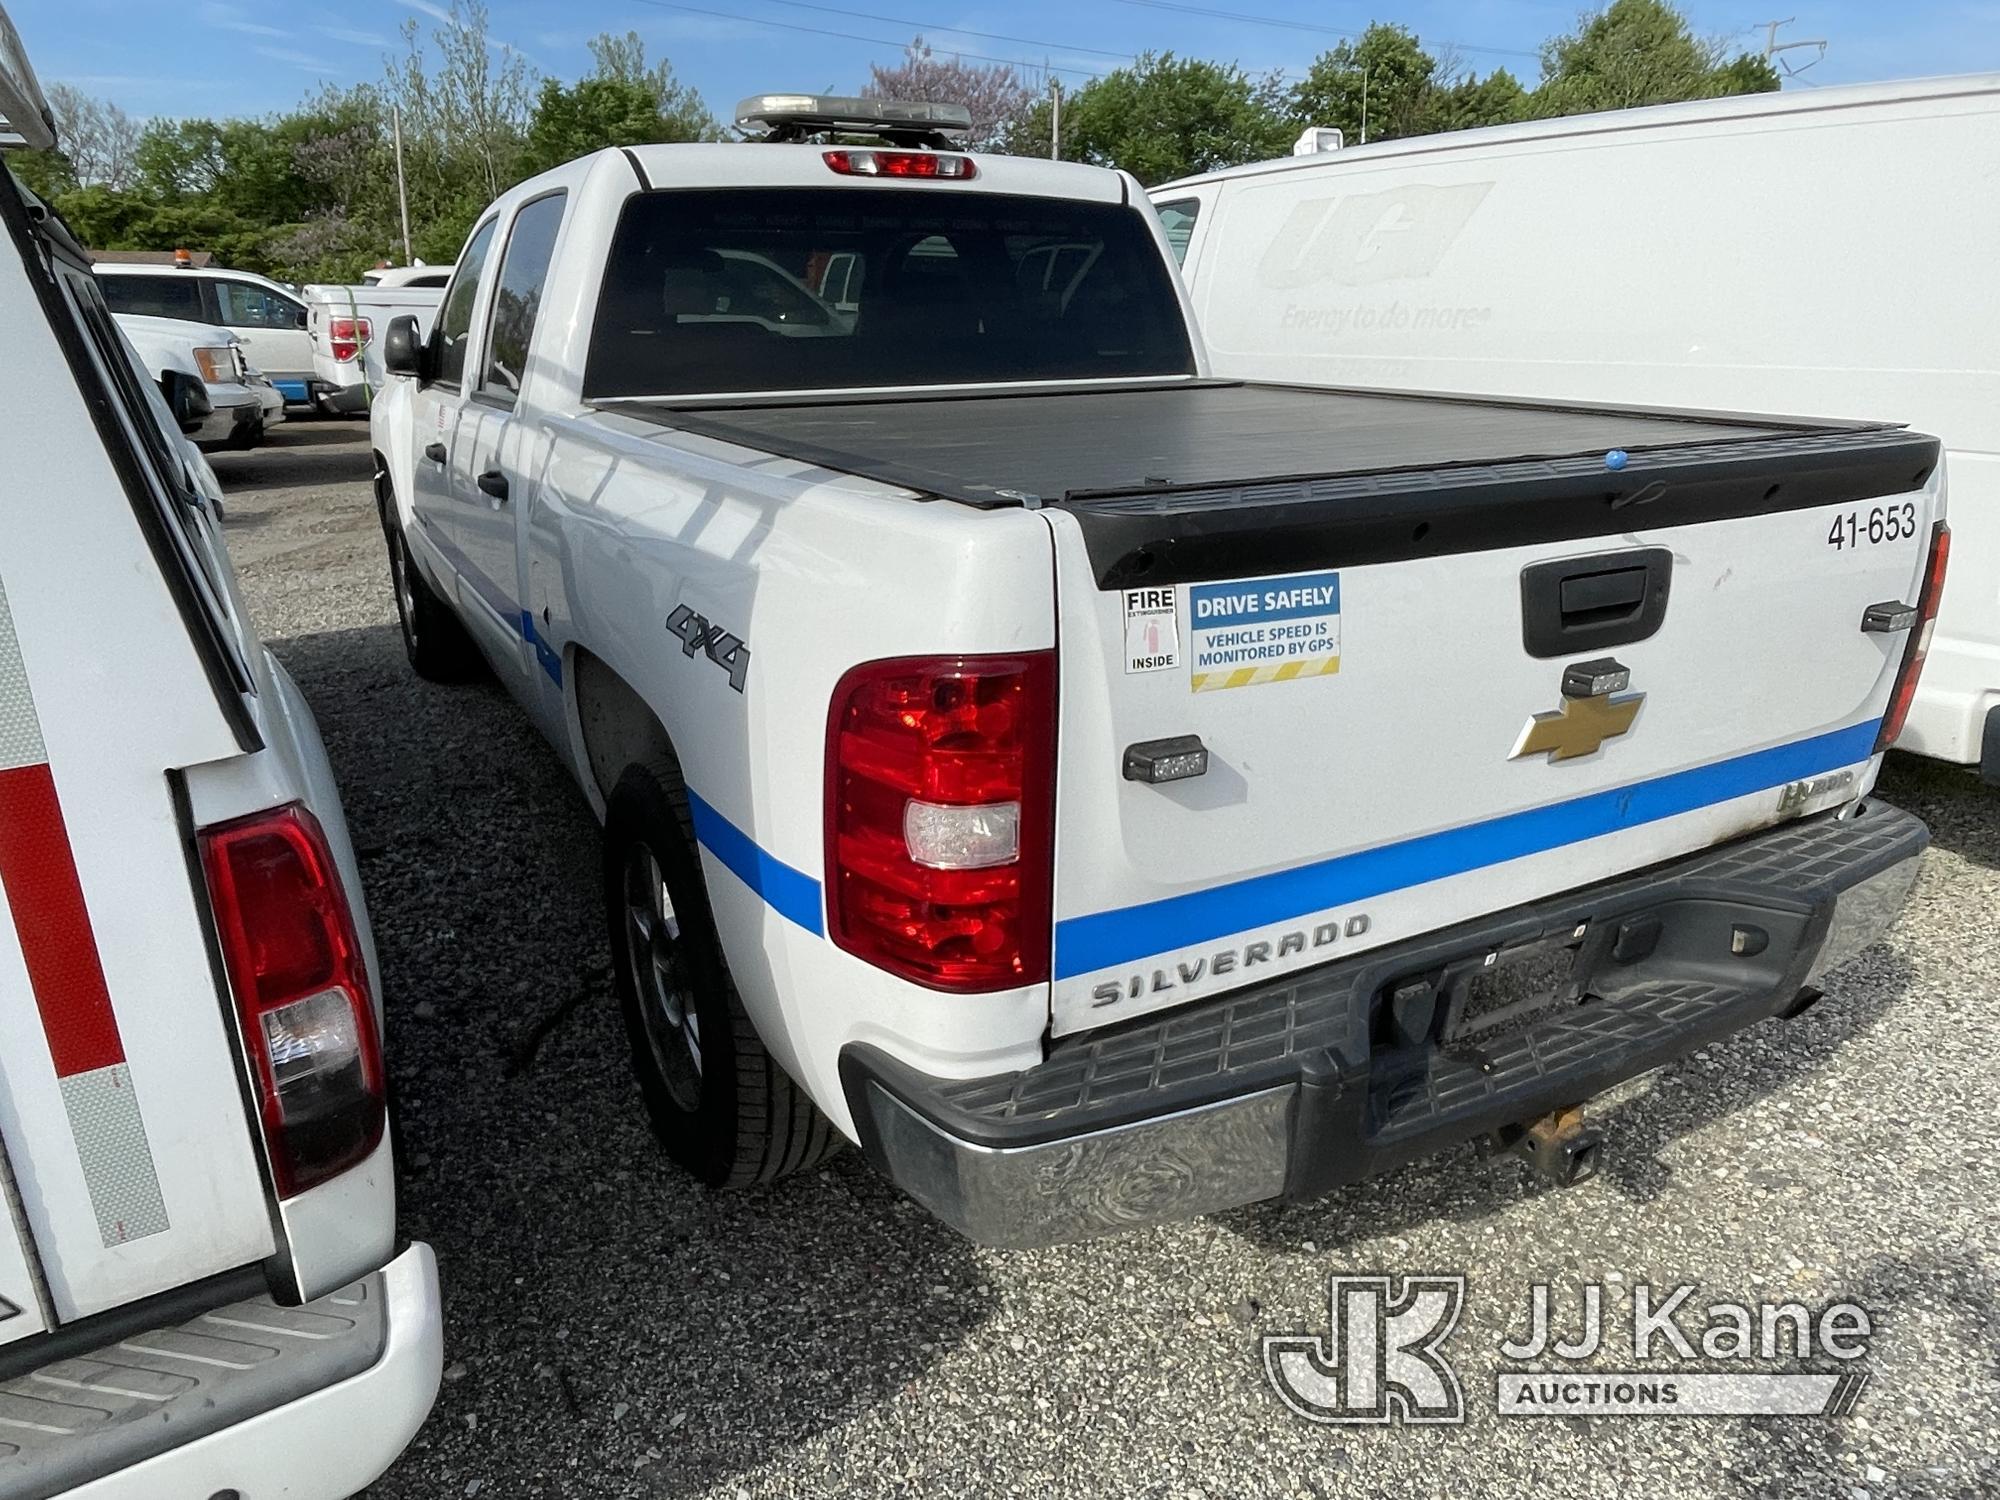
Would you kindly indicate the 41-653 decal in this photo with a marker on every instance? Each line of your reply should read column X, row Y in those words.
column 1894, row 522
column 727, row 651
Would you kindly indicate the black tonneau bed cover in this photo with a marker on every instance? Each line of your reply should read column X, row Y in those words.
column 1214, row 478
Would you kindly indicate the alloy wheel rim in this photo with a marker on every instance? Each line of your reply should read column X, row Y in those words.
column 406, row 603
column 658, row 961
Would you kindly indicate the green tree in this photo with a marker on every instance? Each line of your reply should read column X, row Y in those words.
column 994, row 95
column 1637, row 52
column 1165, row 117
column 1378, row 87
column 1496, row 99
column 623, row 103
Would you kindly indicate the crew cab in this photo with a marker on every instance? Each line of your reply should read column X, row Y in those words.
column 202, row 1292
column 1104, row 791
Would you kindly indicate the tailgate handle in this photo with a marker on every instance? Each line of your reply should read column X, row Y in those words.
column 1594, row 603
column 1602, row 595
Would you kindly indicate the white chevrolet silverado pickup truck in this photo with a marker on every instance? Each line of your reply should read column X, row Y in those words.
column 1106, row 792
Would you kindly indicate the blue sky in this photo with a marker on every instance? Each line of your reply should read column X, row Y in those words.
column 253, row 56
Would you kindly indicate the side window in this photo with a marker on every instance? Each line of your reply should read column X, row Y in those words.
column 1177, row 219
column 517, row 295
column 454, row 325
column 247, row 305
column 155, row 296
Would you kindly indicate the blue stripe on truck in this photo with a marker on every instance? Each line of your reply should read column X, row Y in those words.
column 793, row 894
column 1104, row 939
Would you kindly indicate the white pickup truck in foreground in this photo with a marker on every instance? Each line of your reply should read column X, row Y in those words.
column 202, row 1291
column 1106, row 792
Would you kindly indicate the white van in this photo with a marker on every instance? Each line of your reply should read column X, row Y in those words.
column 202, row 1291
column 1825, row 252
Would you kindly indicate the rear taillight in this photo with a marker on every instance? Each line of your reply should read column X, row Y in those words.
column 1918, row 643
column 301, row 986
column 347, row 335
column 926, row 164
column 940, row 804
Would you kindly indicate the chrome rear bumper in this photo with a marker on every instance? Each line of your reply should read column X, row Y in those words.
column 1291, row 1088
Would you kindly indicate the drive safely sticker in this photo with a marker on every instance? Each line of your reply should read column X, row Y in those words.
column 1152, row 629
column 1255, row 630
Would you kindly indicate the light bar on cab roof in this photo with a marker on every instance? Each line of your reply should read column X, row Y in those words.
column 829, row 112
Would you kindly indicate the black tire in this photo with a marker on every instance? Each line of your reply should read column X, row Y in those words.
column 738, row 1118
column 433, row 639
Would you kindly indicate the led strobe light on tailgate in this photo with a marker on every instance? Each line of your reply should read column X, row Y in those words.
column 939, row 818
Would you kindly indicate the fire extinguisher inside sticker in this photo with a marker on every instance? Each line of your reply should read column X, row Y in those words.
column 1152, row 629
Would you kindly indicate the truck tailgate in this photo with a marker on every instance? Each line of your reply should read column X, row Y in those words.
column 1375, row 657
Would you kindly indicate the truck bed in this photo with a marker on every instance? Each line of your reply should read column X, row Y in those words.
column 1181, row 480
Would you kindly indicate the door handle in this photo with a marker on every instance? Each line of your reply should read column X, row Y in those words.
column 493, row 483
column 1594, row 603
column 434, row 452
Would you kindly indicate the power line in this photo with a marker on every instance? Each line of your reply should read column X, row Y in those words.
column 1308, row 26
column 932, row 25
column 873, row 41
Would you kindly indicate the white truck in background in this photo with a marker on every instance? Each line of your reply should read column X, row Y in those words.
column 1106, row 791
column 345, row 324
column 214, row 395
column 202, row 1292
column 1773, row 252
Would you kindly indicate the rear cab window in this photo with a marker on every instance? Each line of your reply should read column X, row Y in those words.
column 743, row 289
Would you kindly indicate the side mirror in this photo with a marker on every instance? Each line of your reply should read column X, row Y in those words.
column 403, row 347
column 187, row 399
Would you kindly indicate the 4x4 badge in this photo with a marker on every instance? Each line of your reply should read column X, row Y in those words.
column 1595, row 708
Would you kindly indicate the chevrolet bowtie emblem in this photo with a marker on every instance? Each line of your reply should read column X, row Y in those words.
column 1594, row 709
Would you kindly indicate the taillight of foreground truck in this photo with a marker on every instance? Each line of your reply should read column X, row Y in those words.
column 301, row 986
column 940, row 806
column 1918, row 643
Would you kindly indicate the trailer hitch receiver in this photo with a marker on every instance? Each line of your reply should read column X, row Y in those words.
column 1558, row 1145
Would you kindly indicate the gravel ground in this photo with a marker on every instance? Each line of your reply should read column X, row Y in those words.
column 614, row 1330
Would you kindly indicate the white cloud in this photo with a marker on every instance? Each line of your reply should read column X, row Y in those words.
column 437, row 13
column 354, row 38
column 297, row 59
column 230, row 18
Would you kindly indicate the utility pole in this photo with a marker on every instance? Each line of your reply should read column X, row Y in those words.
column 1364, row 104
column 402, row 192
column 1773, row 47
column 1055, row 118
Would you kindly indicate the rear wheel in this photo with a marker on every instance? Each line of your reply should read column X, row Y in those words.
column 434, row 641
column 719, row 1102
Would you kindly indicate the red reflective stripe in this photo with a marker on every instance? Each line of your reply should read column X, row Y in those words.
column 53, row 925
